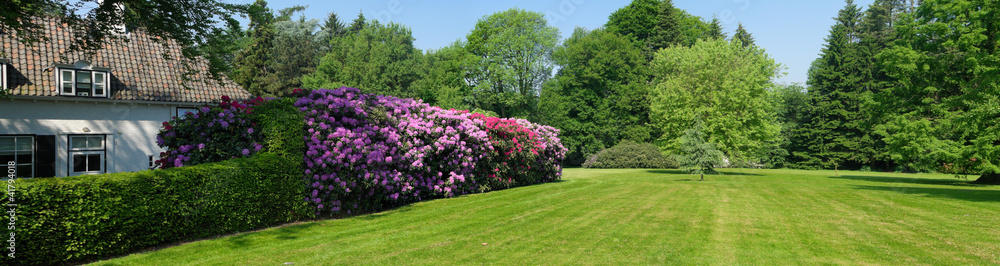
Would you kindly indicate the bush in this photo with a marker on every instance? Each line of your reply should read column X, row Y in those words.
column 628, row 154
column 74, row 219
column 213, row 134
column 370, row 152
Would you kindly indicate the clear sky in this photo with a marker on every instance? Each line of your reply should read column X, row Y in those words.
column 792, row 32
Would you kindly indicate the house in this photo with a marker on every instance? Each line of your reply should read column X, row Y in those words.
column 70, row 115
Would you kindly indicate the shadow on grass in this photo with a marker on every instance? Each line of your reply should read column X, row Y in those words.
column 910, row 180
column 286, row 232
column 951, row 193
column 682, row 172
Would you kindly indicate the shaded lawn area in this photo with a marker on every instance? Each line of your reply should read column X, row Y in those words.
column 648, row 217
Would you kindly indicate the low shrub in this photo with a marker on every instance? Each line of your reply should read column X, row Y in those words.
column 74, row 219
column 628, row 154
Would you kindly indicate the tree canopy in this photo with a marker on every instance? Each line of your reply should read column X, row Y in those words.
column 727, row 86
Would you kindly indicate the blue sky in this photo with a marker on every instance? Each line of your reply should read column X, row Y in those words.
column 792, row 32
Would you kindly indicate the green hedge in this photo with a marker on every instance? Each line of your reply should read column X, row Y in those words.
column 628, row 154
column 283, row 127
column 74, row 219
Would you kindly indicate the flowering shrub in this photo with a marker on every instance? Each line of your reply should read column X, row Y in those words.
column 212, row 134
column 628, row 154
column 372, row 151
column 521, row 155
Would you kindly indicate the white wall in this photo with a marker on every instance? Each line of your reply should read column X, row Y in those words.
column 130, row 128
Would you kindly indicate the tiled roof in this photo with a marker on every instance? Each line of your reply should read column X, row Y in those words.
column 138, row 69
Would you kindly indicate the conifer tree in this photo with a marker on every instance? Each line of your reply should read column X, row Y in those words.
column 254, row 63
column 698, row 155
column 667, row 30
column 743, row 36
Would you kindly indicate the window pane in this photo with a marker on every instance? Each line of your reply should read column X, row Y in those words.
column 67, row 76
column 79, row 163
column 6, row 143
column 94, row 162
column 95, row 143
column 98, row 78
column 24, row 143
column 78, row 142
column 23, row 170
column 98, row 89
column 67, row 87
column 83, row 77
column 6, row 156
column 23, row 158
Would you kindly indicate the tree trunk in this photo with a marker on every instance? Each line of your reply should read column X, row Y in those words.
column 989, row 179
column 702, row 177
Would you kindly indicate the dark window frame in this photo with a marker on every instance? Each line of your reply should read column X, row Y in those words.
column 15, row 150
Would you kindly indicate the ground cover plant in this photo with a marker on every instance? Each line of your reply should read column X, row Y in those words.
column 641, row 216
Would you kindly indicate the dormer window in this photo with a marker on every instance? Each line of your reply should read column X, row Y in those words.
column 83, row 81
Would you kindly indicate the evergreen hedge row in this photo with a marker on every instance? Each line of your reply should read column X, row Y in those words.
column 75, row 219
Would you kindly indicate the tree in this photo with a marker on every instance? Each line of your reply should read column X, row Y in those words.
column 667, row 31
column 332, row 28
column 600, row 95
column 724, row 84
column 297, row 47
column 190, row 23
column 947, row 100
column 715, row 29
column 443, row 80
column 637, row 20
column 358, row 24
column 743, row 36
column 791, row 103
column 254, row 63
column 832, row 135
column 698, row 156
column 379, row 59
column 510, row 59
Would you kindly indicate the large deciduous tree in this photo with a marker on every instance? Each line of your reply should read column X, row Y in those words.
column 947, row 101
column 600, row 94
column 380, row 59
column 725, row 84
column 509, row 60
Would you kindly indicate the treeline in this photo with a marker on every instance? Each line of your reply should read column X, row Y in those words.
column 903, row 87
column 898, row 86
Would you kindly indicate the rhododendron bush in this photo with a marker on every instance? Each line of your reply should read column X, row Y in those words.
column 368, row 152
column 212, row 134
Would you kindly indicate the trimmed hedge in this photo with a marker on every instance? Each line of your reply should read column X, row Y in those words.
column 75, row 219
column 628, row 154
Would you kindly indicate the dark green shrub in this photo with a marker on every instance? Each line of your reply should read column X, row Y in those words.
column 282, row 125
column 74, row 219
column 628, row 154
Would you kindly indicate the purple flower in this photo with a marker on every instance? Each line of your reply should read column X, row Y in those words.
column 246, row 152
column 201, row 145
column 250, row 130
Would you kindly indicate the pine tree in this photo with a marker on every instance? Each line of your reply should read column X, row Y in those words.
column 667, row 30
column 253, row 64
column 698, row 155
column 334, row 26
column 358, row 24
column 715, row 29
column 743, row 36
column 832, row 134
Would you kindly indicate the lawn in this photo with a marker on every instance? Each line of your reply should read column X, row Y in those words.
column 648, row 217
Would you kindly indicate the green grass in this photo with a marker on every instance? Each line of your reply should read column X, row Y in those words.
column 648, row 217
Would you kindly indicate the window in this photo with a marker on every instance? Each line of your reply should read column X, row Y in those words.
column 152, row 162
column 84, row 83
column 182, row 110
column 86, row 154
column 21, row 151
